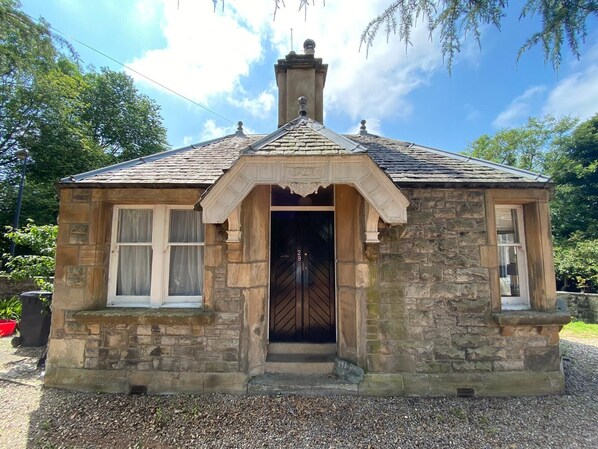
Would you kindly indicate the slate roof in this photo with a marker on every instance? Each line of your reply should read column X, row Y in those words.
column 407, row 164
column 195, row 165
column 304, row 136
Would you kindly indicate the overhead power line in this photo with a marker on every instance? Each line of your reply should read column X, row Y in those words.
column 133, row 70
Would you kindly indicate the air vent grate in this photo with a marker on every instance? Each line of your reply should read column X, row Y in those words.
column 465, row 392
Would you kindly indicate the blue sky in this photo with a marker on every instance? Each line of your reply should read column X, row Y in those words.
column 224, row 61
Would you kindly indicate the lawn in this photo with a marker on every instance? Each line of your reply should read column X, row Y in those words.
column 579, row 329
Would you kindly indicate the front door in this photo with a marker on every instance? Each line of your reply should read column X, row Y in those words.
column 302, row 277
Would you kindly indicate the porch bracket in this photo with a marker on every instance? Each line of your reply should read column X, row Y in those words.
column 233, row 234
column 371, row 224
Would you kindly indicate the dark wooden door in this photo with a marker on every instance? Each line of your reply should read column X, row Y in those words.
column 302, row 277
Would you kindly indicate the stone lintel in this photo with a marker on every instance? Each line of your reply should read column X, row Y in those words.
column 118, row 315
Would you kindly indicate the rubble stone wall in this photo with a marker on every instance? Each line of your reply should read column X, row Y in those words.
column 429, row 300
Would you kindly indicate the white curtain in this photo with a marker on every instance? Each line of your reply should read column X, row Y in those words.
column 134, row 261
column 185, row 260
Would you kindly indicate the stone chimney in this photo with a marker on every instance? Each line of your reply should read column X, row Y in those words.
column 300, row 76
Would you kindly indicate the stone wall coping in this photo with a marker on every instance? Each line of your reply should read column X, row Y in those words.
column 118, row 315
column 582, row 294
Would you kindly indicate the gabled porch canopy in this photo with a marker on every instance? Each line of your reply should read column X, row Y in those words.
column 304, row 156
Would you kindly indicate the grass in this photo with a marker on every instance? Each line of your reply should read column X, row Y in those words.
column 579, row 329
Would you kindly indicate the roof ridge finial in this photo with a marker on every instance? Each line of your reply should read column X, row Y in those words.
column 362, row 129
column 302, row 106
column 240, row 131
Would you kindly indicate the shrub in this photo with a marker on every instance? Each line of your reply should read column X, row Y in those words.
column 576, row 265
column 40, row 263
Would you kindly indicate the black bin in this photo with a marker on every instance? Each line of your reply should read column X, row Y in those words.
column 34, row 327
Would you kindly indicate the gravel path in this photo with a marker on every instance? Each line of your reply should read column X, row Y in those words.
column 34, row 417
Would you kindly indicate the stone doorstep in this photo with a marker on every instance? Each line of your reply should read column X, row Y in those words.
column 306, row 385
column 305, row 364
column 302, row 348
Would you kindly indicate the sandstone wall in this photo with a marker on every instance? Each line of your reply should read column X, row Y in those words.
column 113, row 349
column 429, row 300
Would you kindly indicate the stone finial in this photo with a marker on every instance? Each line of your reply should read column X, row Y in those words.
column 362, row 129
column 309, row 47
column 240, row 131
column 302, row 106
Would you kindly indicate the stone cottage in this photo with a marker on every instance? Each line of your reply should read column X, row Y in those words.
column 228, row 265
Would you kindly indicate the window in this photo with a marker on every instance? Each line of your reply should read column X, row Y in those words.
column 512, row 260
column 156, row 257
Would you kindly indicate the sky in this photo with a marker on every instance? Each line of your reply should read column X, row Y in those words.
column 222, row 62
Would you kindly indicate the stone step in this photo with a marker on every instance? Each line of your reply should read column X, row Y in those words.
column 313, row 385
column 305, row 364
column 302, row 348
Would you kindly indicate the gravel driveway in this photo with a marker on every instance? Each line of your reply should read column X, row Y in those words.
column 33, row 417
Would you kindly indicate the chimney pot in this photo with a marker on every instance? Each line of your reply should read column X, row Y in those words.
column 309, row 47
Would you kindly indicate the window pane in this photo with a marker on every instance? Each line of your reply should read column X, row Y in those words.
column 509, row 271
column 134, row 271
column 134, row 225
column 185, row 226
column 507, row 226
column 185, row 271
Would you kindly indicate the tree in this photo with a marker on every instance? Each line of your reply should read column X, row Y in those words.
column 563, row 23
column 123, row 122
column 575, row 209
column 531, row 147
column 27, row 49
column 70, row 121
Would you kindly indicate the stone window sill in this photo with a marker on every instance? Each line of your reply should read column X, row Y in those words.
column 117, row 315
column 559, row 317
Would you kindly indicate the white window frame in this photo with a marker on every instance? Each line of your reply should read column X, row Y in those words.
column 160, row 262
column 521, row 302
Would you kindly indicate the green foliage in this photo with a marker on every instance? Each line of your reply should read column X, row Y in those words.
column 124, row 123
column 531, row 147
column 576, row 173
column 40, row 263
column 70, row 120
column 10, row 309
column 576, row 265
column 563, row 22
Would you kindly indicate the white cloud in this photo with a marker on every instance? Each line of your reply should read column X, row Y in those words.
column 209, row 53
column 205, row 53
column 576, row 95
column 210, row 130
column 257, row 107
column 355, row 85
column 519, row 109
